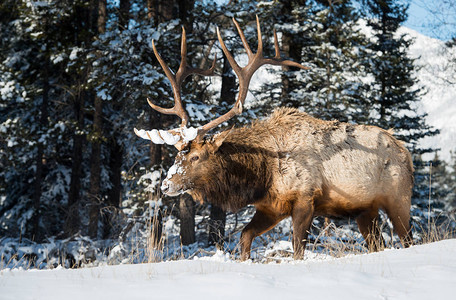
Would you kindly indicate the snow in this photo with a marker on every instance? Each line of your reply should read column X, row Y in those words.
column 189, row 134
column 174, row 169
column 150, row 180
column 57, row 58
column 103, row 94
column 37, row 3
column 152, row 135
column 170, row 137
column 420, row 272
column 74, row 53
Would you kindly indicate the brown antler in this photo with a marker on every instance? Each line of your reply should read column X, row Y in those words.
column 176, row 81
column 245, row 74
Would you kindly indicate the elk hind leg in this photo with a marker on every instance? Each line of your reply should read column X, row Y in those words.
column 369, row 227
column 400, row 217
column 261, row 222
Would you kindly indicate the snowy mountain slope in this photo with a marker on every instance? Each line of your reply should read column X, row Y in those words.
column 440, row 101
column 421, row 272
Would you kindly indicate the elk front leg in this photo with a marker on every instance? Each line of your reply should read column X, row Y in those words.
column 261, row 222
column 301, row 216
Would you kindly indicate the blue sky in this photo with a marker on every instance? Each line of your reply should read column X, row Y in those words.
column 425, row 22
column 422, row 20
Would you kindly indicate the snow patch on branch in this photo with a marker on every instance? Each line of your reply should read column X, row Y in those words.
column 74, row 53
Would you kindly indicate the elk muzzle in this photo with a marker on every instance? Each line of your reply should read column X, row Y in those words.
column 175, row 183
column 169, row 188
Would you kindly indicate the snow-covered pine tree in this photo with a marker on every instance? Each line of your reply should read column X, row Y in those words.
column 439, row 193
column 451, row 182
column 294, row 24
column 339, row 53
column 324, row 35
column 431, row 203
column 394, row 94
column 36, row 156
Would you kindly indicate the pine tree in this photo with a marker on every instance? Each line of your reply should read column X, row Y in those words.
column 451, row 182
column 30, row 56
column 431, row 194
column 394, row 94
column 323, row 35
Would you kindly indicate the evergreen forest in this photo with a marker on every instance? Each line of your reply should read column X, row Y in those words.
column 78, row 186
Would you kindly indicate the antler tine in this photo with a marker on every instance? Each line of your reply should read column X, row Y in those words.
column 177, row 79
column 245, row 74
column 231, row 60
column 276, row 46
column 278, row 60
column 184, row 71
column 177, row 109
column 243, row 39
column 183, row 64
column 260, row 38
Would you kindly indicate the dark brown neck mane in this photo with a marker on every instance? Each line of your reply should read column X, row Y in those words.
column 240, row 175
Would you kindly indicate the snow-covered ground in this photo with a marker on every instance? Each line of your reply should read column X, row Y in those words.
column 420, row 272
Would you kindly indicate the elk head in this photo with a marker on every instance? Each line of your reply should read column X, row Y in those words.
column 195, row 150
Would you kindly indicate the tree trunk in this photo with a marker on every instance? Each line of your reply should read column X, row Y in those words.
column 185, row 7
column 160, row 10
column 95, row 170
column 124, row 13
column 155, row 155
column 39, row 155
column 187, row 219
column 95, row 161
column 115, row 177
column 151, row 9
column 228, row 89
column 159, row 14
column 155, row 150
column 291, row 49
column 102, row 16
column 217, row 221
column 72, row 219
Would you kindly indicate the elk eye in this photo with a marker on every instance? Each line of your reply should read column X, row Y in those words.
column 194, row 158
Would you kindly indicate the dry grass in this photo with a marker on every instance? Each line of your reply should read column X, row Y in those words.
column 434, row 233
column 154, row 245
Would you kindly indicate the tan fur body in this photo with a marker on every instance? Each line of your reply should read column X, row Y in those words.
column 295, row 165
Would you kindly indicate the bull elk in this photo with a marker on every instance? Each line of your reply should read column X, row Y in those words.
column 290, row 164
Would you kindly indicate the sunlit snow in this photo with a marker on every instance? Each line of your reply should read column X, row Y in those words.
column 170, row 137
column 420, row 272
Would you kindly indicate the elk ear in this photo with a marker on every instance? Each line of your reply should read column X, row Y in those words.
column 218, row 139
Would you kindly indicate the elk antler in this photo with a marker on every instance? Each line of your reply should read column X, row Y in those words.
column 245, row 74
column 176, row 80
column 176, row 83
